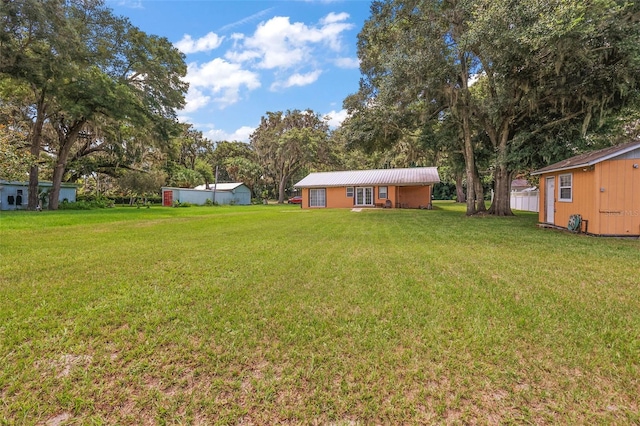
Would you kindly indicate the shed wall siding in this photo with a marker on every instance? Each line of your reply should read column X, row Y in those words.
column 541, row 198
column 11, row 189
column 608, row 196
column 236, row 197
column 240, row 195
column 193, row 197
column 619, row 197
column 583, row 198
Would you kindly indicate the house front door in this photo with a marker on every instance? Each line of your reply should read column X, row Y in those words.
column 549, row 200
column 364, row 196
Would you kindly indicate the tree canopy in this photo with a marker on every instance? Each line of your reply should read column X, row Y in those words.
column 506, row 73
column 83, row 71
column 286, row 142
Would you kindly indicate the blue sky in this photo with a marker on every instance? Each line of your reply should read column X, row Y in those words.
column 248, row 57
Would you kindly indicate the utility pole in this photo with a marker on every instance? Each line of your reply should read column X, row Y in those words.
column 215, row 184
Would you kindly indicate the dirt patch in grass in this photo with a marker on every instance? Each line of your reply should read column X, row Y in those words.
column 58, row 420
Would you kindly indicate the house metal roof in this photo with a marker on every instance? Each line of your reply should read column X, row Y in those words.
column 590, row 158
column 403, row 177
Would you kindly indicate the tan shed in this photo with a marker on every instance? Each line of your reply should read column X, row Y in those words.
column 602, row 187
column 393, row 188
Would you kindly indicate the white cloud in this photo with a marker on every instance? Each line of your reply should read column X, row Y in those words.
column 195, row 100
column 298, row 80
column 278, row 43
column 221, row 78
column 242, row 134
column 242, row 56
column 347, row 63
column 334, row 17
column 335, row 119
column 246, row 20
column 133, row 4
column 207, row 43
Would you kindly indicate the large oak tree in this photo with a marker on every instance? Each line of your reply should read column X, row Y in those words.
column 539, row 66
column 286, row 142
column 87, row 68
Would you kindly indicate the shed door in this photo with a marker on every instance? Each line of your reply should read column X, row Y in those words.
column 167, row 198
column 549, row 200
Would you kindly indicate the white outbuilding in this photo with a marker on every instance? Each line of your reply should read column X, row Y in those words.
column 221, row 193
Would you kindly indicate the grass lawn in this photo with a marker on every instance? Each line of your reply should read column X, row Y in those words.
column 272, row 314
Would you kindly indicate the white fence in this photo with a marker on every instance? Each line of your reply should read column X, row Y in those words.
column 525, row 200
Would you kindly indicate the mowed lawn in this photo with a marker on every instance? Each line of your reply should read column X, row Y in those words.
column 277, row 315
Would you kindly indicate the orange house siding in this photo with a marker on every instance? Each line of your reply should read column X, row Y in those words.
column 406, row 196
column 413, row 197
column 618, row 203
column 607, row 195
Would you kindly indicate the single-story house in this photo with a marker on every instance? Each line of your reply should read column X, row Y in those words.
column 395, row 188
column 221, row 193
column 15, row 195
column 602, row 187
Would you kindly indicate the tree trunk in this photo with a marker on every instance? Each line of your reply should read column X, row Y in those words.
column 470, row 166
column 58, row 173
column 32, row 203
column 460, row 197
column 281, row 186
column 36, row 134
column 469, row 157
column 66, row 142
column 501, row 205
column 480, row 205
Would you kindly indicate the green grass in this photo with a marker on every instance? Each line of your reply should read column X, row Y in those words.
column 272, row 314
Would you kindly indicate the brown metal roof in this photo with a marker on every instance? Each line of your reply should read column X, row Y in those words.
column 589, row 158
column 405, row 177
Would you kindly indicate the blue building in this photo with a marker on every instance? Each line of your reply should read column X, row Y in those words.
column 224, row 193
column 15, row 195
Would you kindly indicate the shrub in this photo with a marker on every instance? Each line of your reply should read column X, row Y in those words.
column 117, row 199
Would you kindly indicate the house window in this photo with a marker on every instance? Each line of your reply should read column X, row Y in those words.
column 382, row 192
column 349, row 191
column 317, row 197
column 566, row 187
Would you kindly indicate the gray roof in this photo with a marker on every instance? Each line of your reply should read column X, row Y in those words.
column 228, row 186
column 41, row 183
column 590, row 158
column 403, row 177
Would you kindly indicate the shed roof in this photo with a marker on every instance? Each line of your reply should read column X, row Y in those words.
column 404, row 177
column 42, row 183
column 227, row 186
column 590, row 158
